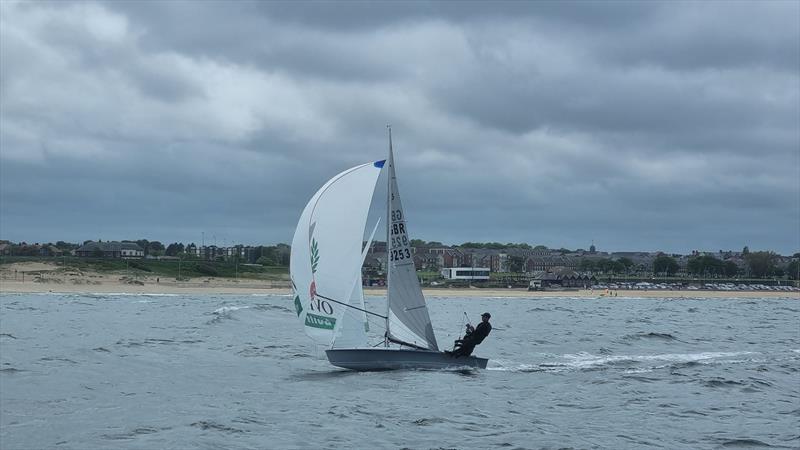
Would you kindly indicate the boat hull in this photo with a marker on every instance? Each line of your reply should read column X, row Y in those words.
column 368, row 359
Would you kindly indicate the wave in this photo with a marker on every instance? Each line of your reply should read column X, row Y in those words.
column 722, row 382
column 228, row 309
column 267, row 350
column 209, row 425
column 149, row 342
column 650, row 335
column 268, row 307
column 746, row 443
column 57, row 359
column 133, row 433
column 224, row 313
column 628, row 363
column 101, row 295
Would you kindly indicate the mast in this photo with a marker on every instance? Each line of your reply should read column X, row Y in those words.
column 389, row 176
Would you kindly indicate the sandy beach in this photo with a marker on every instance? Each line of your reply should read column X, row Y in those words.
column 41, row 278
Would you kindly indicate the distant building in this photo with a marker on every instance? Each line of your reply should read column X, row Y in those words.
column 50, row 250
column 426, row 261
column 547, row 263
column 112, row 249
column 466, row 273
column 564, row 278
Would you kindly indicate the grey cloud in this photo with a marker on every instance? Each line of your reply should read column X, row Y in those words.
column 379, row 14
column 640, row 125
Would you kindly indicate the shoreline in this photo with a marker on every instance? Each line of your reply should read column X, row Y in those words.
column 44, row 278
column 231, row 287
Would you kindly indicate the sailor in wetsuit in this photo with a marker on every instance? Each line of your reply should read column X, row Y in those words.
column 473, row 337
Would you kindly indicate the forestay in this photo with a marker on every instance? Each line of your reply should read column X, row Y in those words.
column 327, row 251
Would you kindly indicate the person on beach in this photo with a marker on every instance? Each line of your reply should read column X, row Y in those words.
column 472, row 337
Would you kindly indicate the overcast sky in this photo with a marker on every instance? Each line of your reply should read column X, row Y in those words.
column 637, row 125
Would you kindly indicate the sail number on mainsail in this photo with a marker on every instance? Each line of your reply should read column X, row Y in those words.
column 400, row 245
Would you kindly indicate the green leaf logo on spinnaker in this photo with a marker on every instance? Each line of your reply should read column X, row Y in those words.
column 314, row 255
column 297, row 305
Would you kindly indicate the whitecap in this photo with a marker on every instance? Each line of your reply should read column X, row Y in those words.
column 583, row 359
column 227, row 309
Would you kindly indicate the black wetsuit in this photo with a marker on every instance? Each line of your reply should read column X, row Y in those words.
column 472, row 339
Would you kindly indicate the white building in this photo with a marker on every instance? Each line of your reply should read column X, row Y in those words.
column 466, row 273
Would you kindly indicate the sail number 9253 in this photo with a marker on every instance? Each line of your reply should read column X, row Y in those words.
column 398, row 255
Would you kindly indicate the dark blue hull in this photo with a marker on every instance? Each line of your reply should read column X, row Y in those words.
column 366, row 359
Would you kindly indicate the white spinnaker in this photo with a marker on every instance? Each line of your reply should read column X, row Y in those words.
column 409, row 320
column 351, row 330
column 326, row 249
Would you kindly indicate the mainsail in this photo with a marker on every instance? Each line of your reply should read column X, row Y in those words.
column 325, row 265
column 409, row 321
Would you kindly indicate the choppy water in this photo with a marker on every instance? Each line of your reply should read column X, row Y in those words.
column 145, row 372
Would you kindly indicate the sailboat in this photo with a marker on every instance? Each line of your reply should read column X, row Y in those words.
column 327, row 254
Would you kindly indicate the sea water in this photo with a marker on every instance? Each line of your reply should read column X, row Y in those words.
column 234, row 371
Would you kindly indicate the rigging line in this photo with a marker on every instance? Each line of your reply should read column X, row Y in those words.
column 407, row 344
column 350, row 306
column 372, row 321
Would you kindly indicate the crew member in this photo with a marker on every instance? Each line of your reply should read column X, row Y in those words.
column 473, row 336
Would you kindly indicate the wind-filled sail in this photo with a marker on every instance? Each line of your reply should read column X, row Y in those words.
column 325, row 266
column 409, row 321
column 351, row 330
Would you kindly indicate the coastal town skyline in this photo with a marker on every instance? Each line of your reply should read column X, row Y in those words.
column 163, row 245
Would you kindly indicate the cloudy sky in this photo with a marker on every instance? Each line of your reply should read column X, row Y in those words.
column 637, row 125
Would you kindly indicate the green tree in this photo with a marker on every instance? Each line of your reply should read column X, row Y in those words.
column 155, row 248
column 609, row 266
column 174, row 249
column 793, row 271
column 665, row 264
column 731, row 269
column 627, row 263
column 705, row 265
column 144, row 243
column 604, row 265
column 761, row 264
column 586, row 265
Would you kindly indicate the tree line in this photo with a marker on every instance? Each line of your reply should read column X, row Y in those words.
column 757, row 265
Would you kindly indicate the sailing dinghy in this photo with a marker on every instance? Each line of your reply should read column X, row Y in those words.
column 325, row 270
